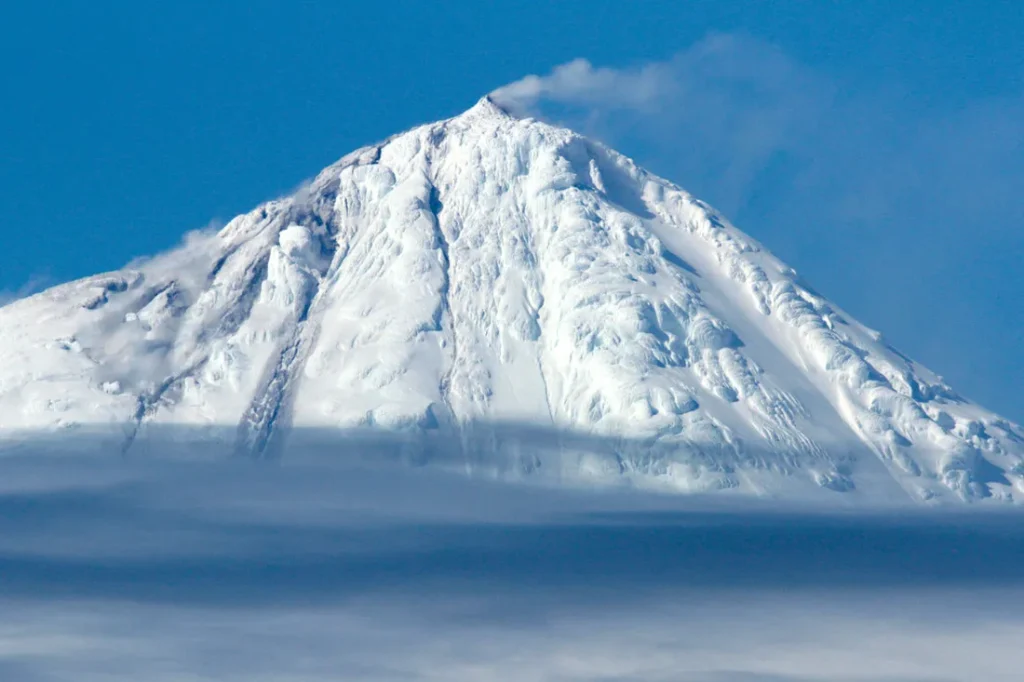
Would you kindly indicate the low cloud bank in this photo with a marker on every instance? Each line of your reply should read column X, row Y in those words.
column 236, row 571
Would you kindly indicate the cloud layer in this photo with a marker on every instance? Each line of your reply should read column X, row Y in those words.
column 114, row 569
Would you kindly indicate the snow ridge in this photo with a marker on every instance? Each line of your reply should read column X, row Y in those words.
column 486, row 271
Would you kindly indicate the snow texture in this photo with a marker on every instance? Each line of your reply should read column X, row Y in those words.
column 483, row 273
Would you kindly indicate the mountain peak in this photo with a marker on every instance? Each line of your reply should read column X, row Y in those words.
column 486, row 107
column 511, row 299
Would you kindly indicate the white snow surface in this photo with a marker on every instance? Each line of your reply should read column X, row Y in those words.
column 507, row 297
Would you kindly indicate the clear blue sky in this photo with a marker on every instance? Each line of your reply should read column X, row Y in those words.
column 123, row 125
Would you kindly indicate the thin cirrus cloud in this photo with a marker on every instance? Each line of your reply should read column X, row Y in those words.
column 905, row 211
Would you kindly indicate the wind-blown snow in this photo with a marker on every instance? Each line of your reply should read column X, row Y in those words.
column 485, row 271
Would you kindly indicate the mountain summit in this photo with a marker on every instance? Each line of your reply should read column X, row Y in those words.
column 550, row 307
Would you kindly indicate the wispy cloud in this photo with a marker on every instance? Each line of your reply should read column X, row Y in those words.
column 907, row 211
column 34, row 285
column 739, row 103
column 718, row 110
column 579, row 81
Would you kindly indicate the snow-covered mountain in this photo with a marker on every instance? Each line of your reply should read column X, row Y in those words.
column 524, row 295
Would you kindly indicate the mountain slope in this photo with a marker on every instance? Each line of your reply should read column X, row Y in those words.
column 488, row 271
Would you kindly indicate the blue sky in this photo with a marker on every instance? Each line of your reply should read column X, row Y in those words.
column 875, row 146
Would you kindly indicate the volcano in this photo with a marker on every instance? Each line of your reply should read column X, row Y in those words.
column 507, row 297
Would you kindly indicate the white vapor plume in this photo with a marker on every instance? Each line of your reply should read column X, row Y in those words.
column 839, row 178
column 727, row 105
column 579, row 81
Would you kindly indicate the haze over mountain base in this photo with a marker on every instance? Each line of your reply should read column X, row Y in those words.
column 229, row 572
